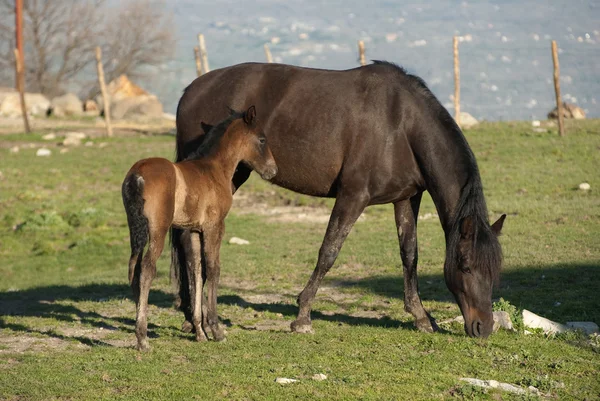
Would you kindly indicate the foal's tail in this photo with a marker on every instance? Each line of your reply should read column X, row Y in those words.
column 132, row 191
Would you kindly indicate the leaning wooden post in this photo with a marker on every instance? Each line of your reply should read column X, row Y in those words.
column 198, row 62
column 203, row 54
column 21, row 89
column 559, row 104
column 361, row 52
column 105, row 99
column 456, row 82
column 268, row 54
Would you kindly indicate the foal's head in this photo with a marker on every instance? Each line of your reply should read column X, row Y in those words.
column 252, row 144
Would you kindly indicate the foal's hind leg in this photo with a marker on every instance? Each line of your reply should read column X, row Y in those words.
column 347, row 209
column 147, row 272
column 406, row 213
column 196, row 284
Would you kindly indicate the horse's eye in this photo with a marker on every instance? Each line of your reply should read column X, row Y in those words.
column 466, row 270
column 262, row 141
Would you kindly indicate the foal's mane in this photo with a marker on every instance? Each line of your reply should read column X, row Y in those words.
column 487, row 255
column 213, row 136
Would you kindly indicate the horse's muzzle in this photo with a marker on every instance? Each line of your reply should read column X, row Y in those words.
column 269, row 173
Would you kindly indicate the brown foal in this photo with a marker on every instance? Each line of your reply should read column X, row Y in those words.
column 194, row 194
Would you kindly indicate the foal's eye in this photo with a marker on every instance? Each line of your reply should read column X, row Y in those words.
column 262, row 141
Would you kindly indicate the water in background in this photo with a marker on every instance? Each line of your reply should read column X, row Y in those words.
column 505, row 57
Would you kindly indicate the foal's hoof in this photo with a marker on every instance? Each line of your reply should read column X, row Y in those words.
column 187, row 327
column 427, row 325
column 143, row 345
column 302, row 327
column 201, row 337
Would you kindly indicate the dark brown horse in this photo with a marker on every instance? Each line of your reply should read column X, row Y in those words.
column 195, row 195
column 366, row 136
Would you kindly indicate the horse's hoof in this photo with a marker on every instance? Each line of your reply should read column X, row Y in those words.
column 143, row 345
column 201, row 338
column 187, row 327
column 301, row 328
column 426, row 325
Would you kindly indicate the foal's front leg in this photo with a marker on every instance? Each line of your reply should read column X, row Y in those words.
column 212, row 237
column 196, row 283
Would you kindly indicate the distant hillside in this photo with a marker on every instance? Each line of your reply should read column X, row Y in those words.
column 506, row 66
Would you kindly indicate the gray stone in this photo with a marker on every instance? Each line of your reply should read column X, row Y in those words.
column 66, row 105
column 586, row 327
column 10, row 104
column 319, row 377
column 502, row 320
column 569, row 111
column 71, row 141
column 145, row 106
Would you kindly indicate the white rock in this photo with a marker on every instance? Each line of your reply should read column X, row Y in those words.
column 536, row 123
column 71, row 141
column 467, row 120
column 285, row 380
column 89, row 143
column 319, row 377
column 499, row 385
column 49, row 137
column 584, row 186
column 78, row 135
column 238, row 241
column 586, row 327
column 534, row 321
column 43, row 152
column 14, row 149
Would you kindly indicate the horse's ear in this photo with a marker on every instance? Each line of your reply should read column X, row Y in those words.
column 467, row 230
column 206, row 127
column 250, row 115
column 497, row 226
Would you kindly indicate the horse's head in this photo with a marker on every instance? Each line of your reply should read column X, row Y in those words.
column 472, row 266
column 255, row 150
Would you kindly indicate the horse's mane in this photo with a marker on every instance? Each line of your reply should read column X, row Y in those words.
column 487, row 251
column 213, row 136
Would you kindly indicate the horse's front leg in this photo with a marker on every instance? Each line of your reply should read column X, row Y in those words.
column 212, row 237
column 346, row 211
column 406, row 213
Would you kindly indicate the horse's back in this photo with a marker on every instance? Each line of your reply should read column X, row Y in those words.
column 319, row 123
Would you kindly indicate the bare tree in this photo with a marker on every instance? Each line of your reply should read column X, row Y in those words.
column 61, row 36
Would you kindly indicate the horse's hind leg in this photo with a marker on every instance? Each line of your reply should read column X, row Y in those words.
column 212, row 237
column 406, row 214
column 346, row 211
column 147, row 272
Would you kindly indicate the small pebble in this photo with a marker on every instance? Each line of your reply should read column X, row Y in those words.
column 319, row 377
column 14, row 149
column 285, row 380
column 584, row 186
column 238, row 241
column 43, row 152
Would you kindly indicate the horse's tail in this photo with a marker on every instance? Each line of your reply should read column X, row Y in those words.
column 133, row 200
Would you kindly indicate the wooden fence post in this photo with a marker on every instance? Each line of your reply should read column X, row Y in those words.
column 21, row 88
column 456, row 81
column 268, row 54
column 105, row 99
column 203, row 54
column 198, row 62
column 361, row 52
column 559, row 104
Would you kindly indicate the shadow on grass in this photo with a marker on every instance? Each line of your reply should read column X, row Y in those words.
column 562, row 292
column 49, row 302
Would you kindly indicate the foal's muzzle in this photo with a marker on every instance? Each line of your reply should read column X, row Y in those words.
column 269, row 172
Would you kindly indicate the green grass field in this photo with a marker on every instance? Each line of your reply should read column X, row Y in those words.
column 67, row 318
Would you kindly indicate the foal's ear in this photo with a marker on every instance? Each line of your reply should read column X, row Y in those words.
column 467, row 230
column 250, row 115
column 497, row 226
column 206, row 127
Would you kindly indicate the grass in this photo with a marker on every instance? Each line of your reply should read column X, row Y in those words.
column 66, row 323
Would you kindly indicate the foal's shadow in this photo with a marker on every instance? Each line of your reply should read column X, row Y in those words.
column 54, row 302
